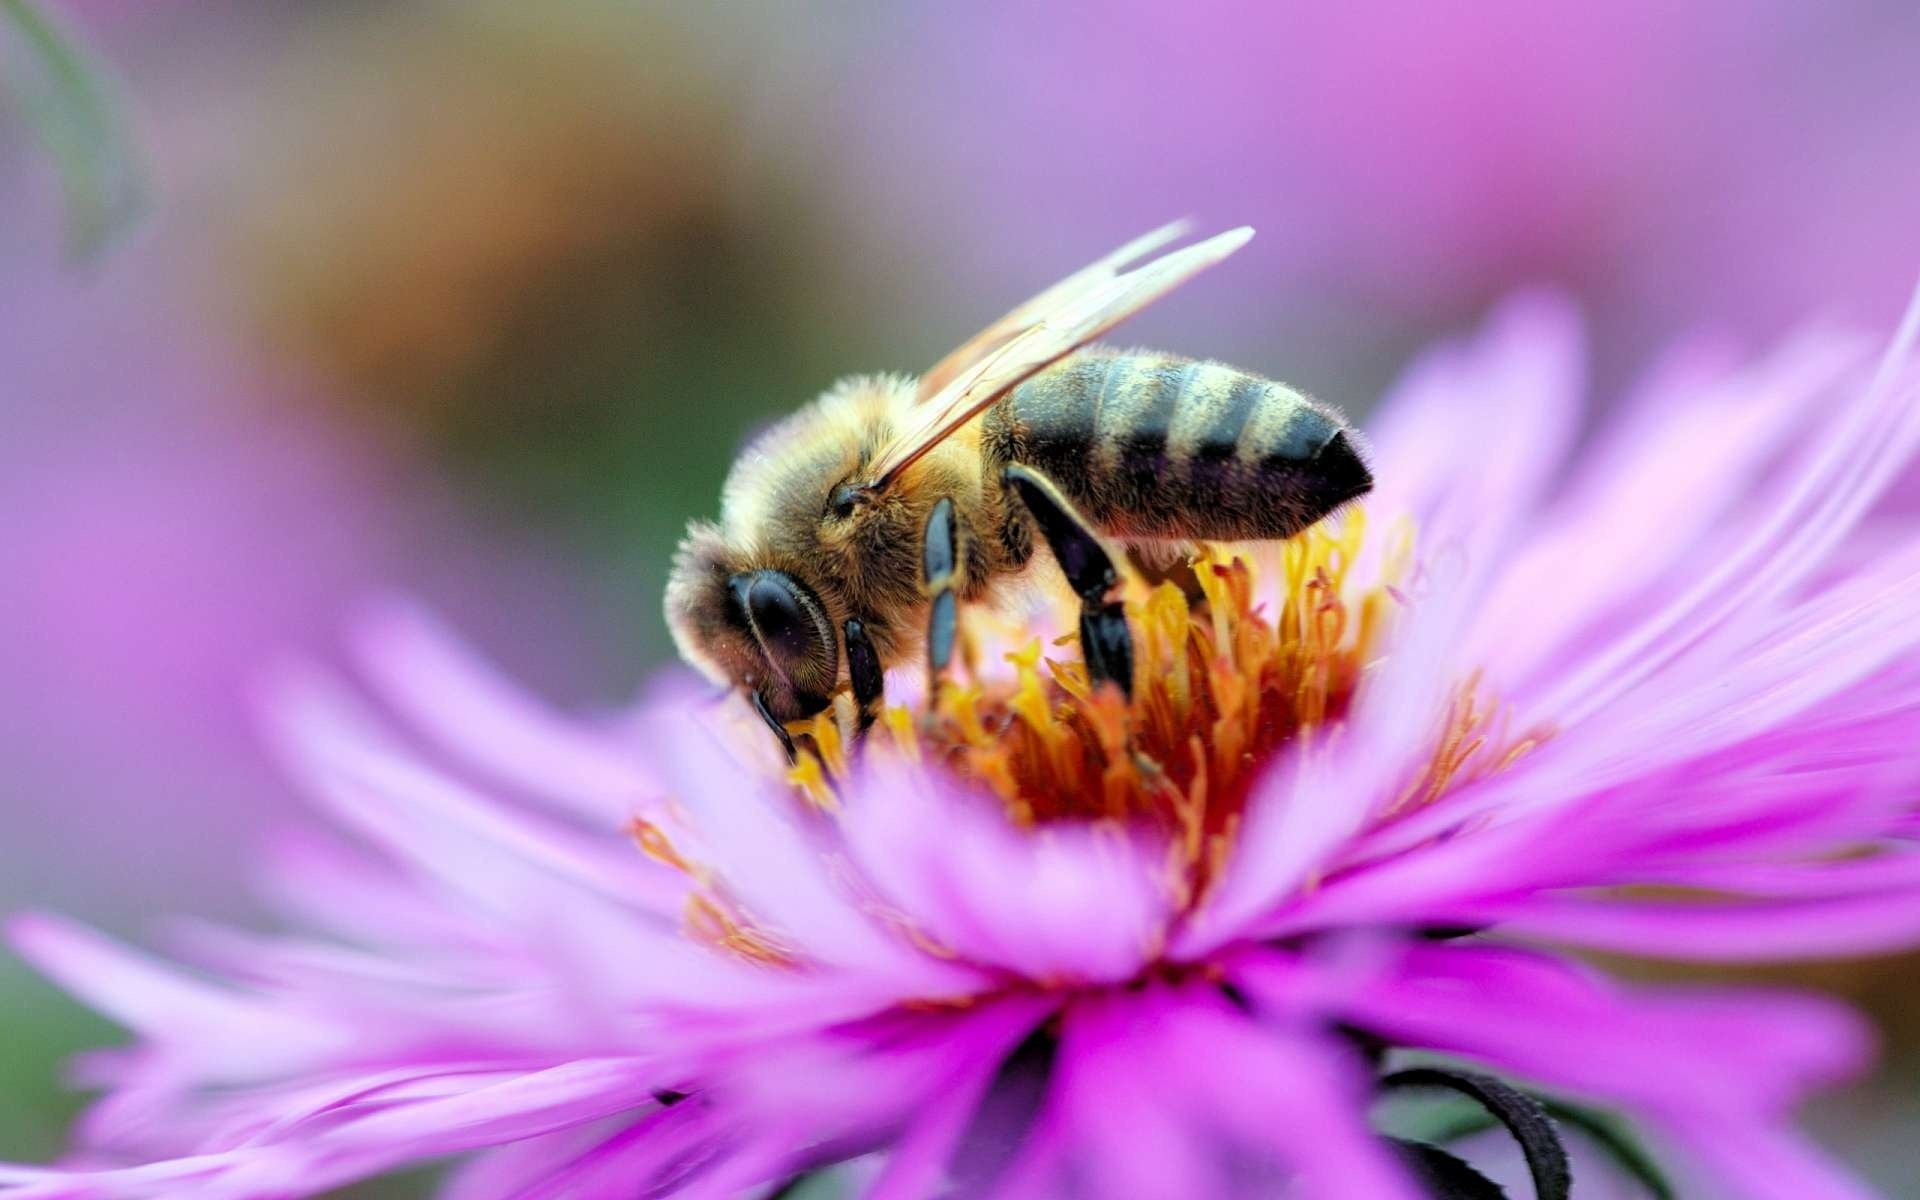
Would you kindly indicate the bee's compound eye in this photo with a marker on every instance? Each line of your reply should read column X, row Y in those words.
column 774, row 607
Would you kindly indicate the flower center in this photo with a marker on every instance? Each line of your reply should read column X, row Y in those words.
column 1228, row 674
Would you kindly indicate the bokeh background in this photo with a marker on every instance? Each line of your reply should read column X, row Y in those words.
column 476, row 298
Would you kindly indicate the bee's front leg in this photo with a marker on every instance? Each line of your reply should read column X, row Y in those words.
column 863, row 667
column 765, row 713
column 1104, row 641
column 940, row 565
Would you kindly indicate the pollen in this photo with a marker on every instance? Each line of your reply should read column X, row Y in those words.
column 709, row 921
column 1243, row 657
column 1228, row 675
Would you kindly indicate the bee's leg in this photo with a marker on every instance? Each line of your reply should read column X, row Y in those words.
column 863, row 666
column 1104, row 640
column 773, row 723
column 940, row 558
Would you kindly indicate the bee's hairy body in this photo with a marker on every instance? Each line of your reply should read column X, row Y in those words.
column 1146, row 446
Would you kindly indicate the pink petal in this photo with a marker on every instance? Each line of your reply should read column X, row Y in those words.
column 529, row 1105
column 322, row 885
column 1732, row 1052
column 1294, row 1096
column 1841, row 927
column 1761, row 1163
column 160, row 1179
column 751, row 835
column 221, row 1032
column 1509, row 401
column 1131, row 1135
column 496, row 856
column 486, row 721
column 1896, row 869
column 510, row 1172
column 1869, row 442
column 1143, row 1103
column 866, row 1079
column 1772, row 671
column 1664, row 476
column 1068, row 903
column 649, row 1154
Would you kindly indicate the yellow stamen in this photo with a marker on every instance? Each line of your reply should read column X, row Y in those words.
column 811, row 778
column 654, row 844
column 709, row 922
column 1221, row 686
column 900, row 725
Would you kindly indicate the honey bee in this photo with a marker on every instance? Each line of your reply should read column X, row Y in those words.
column 850, row 532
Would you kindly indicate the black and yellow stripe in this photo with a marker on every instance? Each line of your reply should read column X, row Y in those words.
column 1157, row 446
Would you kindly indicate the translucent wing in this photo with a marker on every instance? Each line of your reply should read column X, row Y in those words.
column 1067, row 315
column 997, row 334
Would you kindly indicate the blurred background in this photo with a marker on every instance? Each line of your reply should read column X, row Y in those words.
column 476, row 300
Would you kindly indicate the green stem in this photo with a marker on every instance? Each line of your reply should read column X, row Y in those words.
column 71, row 108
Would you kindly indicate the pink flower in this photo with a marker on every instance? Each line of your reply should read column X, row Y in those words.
column 1647, row 699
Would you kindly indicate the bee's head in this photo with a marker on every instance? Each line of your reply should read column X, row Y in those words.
column 752, row 625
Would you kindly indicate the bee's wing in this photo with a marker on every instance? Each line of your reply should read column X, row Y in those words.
column 997, row 334
column 1065, row 316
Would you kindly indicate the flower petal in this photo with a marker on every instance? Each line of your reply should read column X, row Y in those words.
column 1064, row 903
column 1745, row 1053
column 1869, row 441
column 220, row 1032
column 1838, row 927
column 1667, row 474
column 752, row 838
column 472, row 712
column 1509, row 402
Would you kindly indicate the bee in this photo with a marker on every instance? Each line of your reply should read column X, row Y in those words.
column 851, row 531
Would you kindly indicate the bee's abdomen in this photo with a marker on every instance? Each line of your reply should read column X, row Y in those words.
column 1153, row 446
